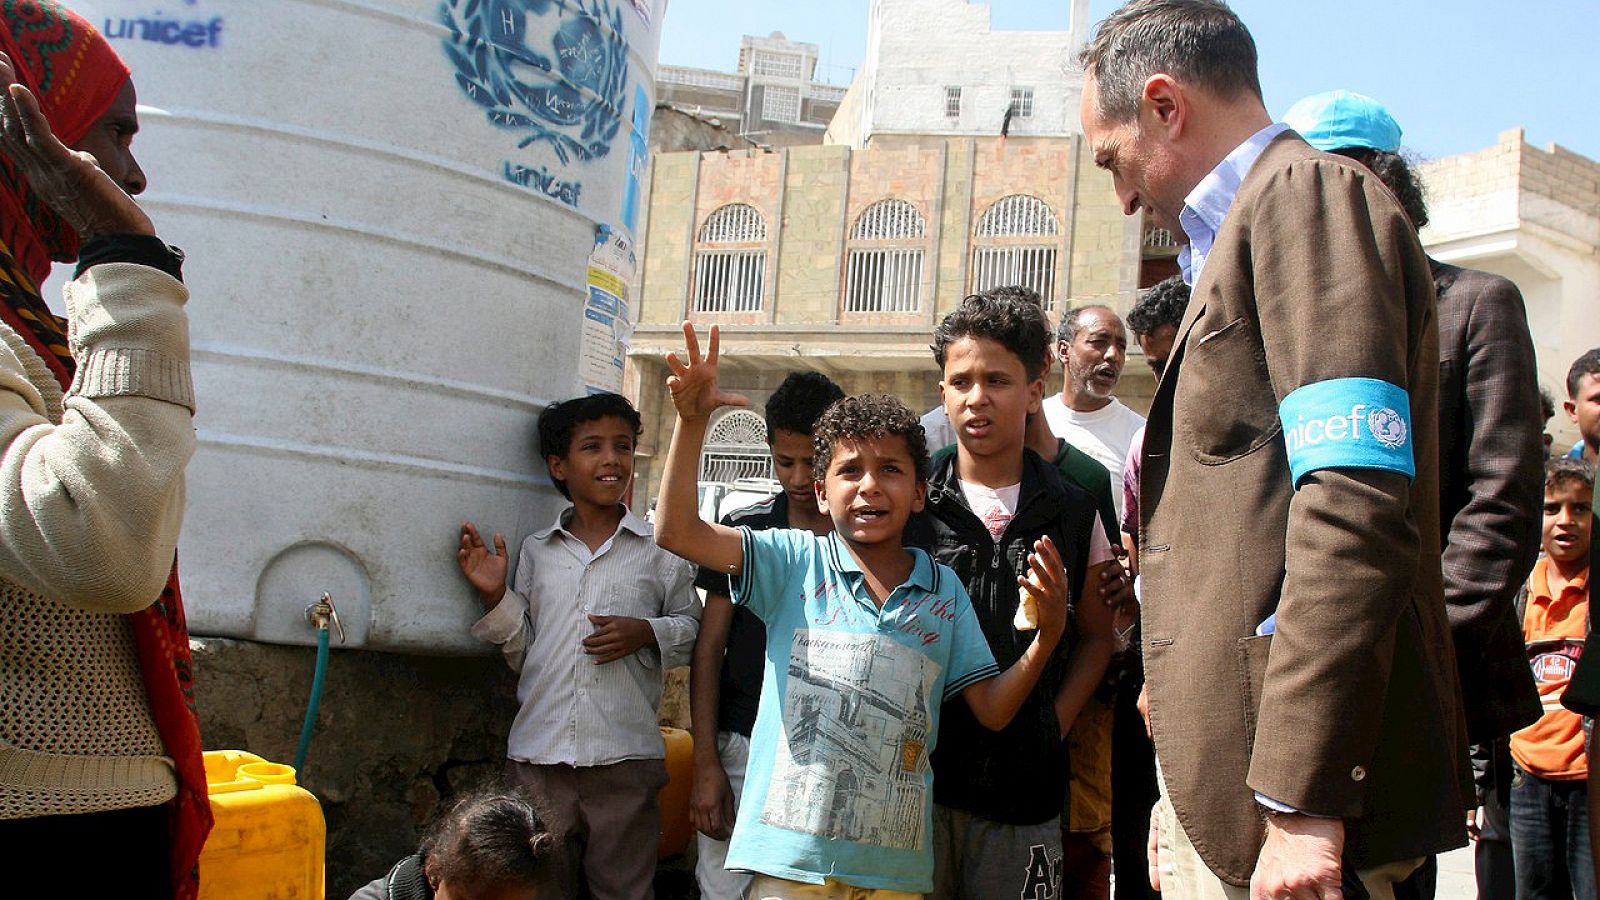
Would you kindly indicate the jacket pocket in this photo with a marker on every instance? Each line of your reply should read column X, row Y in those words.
column 1252, row 663
column 1225, row 400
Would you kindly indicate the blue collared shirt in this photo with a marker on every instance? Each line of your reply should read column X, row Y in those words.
column 1207, row 205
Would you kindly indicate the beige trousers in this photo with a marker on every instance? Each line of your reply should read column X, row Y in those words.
column 1185, row 876
column 765, row 887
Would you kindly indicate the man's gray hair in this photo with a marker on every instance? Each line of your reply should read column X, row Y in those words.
column 1200, row 42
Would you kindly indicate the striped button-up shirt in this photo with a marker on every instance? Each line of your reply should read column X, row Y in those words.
column 572, row 710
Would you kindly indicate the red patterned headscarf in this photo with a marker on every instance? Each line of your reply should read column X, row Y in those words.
column 76, row 76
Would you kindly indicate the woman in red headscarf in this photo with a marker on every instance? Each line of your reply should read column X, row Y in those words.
column 99, row 742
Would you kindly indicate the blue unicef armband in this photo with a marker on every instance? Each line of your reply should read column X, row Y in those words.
column 1348, row 423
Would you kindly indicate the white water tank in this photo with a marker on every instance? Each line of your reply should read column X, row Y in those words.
column 389, row 209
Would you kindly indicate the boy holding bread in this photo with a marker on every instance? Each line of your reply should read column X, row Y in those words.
column 998, row 794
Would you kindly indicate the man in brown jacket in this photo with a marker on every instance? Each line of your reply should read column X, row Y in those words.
column 1302, row 687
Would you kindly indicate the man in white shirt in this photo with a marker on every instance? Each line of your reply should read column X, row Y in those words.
column 1092, row 345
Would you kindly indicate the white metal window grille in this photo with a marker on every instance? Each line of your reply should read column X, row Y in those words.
column 1022, row 102
column 952, row 102
column 731, row 278
column 1030, row 267
column 884, row 274
column 1009, row 248
column 736, row 447
column 1018, row 215
column 1159, row 238
column 776, row 65
column 780, row 104
column 735, row 223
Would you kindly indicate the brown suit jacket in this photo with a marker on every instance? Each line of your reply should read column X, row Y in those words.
column 1351, row 708
column 1492, row 486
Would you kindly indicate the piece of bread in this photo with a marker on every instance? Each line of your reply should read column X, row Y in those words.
column 1027, row 617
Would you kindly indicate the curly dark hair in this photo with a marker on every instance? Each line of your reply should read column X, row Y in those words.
column 1398, row 176
column 863, row 417
column 559, row 420
column 1564, row 470
column 797, row 403
column 1162, row 305
column 486, row 840
column 1587, row 364
column 1012, row 317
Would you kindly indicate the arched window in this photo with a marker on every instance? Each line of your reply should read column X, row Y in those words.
column 736, row 447
column 1014, row 243
column 885, row 267
column 731, row 260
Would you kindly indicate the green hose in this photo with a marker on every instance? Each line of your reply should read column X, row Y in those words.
column 310, row 723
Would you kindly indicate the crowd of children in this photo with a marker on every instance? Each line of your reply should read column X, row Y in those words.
column 889, row 653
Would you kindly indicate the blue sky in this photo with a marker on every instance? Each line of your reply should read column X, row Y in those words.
column 1454, row 73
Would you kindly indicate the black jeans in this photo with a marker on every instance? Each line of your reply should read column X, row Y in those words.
column 124, row 854
column 1550, row 839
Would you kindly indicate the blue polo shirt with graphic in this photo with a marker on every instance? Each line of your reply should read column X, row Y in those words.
column 838, row 785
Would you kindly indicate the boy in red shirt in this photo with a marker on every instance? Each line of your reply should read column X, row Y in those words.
column 1549, row 815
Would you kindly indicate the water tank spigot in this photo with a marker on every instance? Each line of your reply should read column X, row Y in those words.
column 321, row 613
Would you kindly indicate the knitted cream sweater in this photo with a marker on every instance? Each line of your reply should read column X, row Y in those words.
column 91, row 498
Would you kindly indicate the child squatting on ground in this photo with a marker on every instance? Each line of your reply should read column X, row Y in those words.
column 865, row 640
column 596, row 616
column 489, row 845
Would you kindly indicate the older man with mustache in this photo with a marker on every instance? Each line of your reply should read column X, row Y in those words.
column 1092, row 345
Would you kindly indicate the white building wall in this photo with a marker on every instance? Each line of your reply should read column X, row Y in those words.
column 1530, row 215
column 918, row 48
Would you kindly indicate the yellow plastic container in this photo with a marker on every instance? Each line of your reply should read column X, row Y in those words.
column 676, row 831
column 269, row 837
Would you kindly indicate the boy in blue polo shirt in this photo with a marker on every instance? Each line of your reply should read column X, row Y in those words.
column 865, row 640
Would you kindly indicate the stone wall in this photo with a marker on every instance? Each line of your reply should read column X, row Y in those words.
column 395, row 738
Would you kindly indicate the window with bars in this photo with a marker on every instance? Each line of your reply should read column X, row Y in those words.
column 1012, row 246
column 736, row 447
column 1022, row 102
column 952, row 102
column 731, row 261
column 884, row 272
column 780, row 104
column 776, row 65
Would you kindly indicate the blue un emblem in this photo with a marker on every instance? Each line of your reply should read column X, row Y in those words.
column 553, row 72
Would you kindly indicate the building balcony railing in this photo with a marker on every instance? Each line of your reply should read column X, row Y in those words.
column 699, row 78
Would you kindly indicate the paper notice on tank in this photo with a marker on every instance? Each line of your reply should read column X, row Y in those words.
column 607, row 323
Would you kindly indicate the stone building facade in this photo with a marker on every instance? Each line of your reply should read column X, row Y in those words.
column 842, row 261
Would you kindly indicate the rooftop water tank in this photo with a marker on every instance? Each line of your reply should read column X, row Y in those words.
column 408, row 226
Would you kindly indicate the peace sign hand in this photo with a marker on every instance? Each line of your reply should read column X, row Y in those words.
column 694, row 388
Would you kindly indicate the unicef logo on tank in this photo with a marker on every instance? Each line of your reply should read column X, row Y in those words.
column 1388, row 426
column 552, row 73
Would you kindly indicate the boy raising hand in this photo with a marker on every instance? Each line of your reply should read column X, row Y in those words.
column 865, row 641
